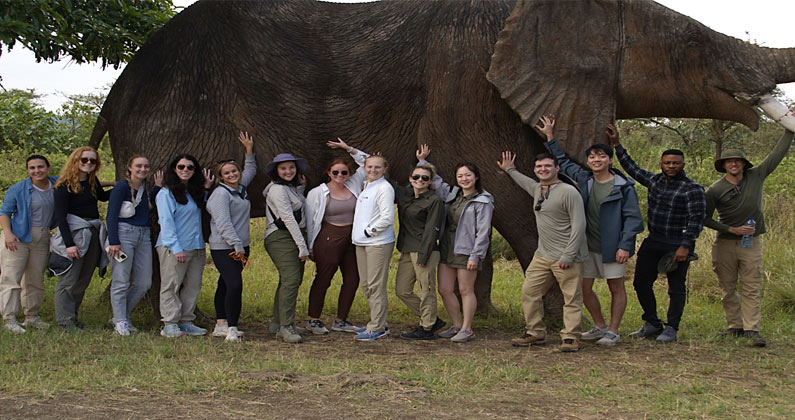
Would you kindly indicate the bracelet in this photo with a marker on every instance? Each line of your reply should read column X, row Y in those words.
column 350, row 149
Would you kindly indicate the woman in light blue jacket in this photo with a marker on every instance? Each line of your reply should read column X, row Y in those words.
column 26, row 218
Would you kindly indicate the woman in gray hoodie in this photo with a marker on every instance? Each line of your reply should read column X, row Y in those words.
column 463, row 243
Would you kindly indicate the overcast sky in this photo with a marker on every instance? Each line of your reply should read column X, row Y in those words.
column 766, row 22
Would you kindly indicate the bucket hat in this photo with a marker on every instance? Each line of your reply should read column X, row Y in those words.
column 731, row 154
column 300, row 163
column 667, row 263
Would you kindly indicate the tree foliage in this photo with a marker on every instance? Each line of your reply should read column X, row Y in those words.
column 26, row 125
column 84, row 30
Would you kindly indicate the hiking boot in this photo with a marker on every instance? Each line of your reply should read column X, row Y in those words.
column 418, row 333
column 317, row 327
column 438, row 325
column 527, row 340
column 609, row 339
column 289, row 334
column 36, row 323
column 731, row 332
column 668, row 335
column 343, row 326
column 121, row 328
column 171, row 331
column 463, row 336
column 368, row 335
column 190, row 329
column 648, row 330
column 450, row 332
column 593, row 334
column 570, row 345
column 232, row 334
column 755, row 339
column 13, row 326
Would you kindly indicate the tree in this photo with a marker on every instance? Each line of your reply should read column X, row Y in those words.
column 84, row 30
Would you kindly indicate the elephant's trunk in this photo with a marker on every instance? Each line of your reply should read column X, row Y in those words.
column 785, row 65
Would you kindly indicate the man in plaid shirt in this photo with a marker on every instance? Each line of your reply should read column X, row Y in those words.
column 677, row 207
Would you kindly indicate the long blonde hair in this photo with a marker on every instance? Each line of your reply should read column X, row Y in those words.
column 70, row 174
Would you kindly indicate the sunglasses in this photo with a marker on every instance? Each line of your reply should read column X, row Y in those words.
column 243, row 259
column 425, row 178
column 182, row 167
column 225, row 161
column 92, row 161
column 336, row 172
column 539, row 202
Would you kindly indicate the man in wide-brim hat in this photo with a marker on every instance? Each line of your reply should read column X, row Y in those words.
column 737, row 197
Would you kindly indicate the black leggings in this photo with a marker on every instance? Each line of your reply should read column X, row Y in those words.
column 229, row 294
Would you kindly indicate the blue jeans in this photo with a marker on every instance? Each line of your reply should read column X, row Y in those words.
column 126, row 292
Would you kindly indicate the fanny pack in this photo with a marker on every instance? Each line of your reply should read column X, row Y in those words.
column 128, row 208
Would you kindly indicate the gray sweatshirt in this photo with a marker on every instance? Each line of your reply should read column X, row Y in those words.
column 230, row 212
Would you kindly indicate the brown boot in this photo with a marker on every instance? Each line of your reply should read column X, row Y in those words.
column 570, row 345
column 528, row 340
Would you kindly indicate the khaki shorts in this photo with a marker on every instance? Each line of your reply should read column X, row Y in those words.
column 594, row 268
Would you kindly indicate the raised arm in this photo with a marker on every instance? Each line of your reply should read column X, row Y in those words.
column 250, row 165
column 643, row 176
column 507, row 164
column 777, row 154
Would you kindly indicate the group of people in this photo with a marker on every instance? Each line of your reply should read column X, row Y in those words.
column 587, row 222
column 588, row 219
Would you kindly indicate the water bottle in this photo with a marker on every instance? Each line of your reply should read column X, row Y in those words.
column 748, row 240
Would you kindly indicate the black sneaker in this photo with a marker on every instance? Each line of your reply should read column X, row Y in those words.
column 731, row 332
column 755, row 339
column 418, row 333
column 438, row 325
column 648, row 330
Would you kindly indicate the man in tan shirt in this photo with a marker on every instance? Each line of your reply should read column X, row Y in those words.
column 562, row 248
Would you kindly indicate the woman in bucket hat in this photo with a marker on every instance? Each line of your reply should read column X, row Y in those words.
column 285, row 238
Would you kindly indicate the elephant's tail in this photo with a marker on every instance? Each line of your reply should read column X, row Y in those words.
column 100, row 128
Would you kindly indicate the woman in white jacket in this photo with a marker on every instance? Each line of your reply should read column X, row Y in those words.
column 329, row 213
column 374, row 238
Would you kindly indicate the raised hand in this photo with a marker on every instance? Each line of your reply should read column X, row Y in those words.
column 546, row 126
column 612, row 135
column 423, row 152
column 209, row 178
column 246, row 141
column 507, row 162
column 158, row 178
column 339, row 144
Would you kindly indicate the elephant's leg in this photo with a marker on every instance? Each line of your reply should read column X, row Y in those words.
column 483, row 286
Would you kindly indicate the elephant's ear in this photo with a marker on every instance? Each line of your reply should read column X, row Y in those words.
column 561, row 58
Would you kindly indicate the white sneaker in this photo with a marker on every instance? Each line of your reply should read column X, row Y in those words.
column 609, row 339
column 317, row 327
column 232, row 334
column 223, row 330
column 35, row 322
column 593, row 334
column 122, row 328
column 13, row 326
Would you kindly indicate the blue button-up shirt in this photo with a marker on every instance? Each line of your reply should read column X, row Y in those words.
column 180, row 224
column 16, row 205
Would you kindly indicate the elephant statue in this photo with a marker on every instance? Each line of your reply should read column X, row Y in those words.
column 469, row 78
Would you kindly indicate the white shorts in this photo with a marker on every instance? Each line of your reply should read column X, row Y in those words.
column 594, row 268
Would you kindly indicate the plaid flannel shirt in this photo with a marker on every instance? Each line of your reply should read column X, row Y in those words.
column 677, row 206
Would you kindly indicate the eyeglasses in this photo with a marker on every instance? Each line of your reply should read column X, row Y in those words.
column 539, row 202
column 425, row 178
column 182, row 167
column 242, row 258
column 92, row 161
column 336, row 172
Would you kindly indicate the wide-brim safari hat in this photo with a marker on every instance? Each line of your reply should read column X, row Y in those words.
column 731, row 154
column 300, row 163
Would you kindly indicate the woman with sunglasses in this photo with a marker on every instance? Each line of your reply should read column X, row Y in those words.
column 285, row 238
column 230, row 213
column 130, row 241
column 26, row 218
column 78, row 238
column 180, row 245
column 329, row 218
column 374, row 237
column 463, row 243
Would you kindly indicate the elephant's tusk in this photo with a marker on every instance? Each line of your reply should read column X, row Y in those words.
column 777, row 111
